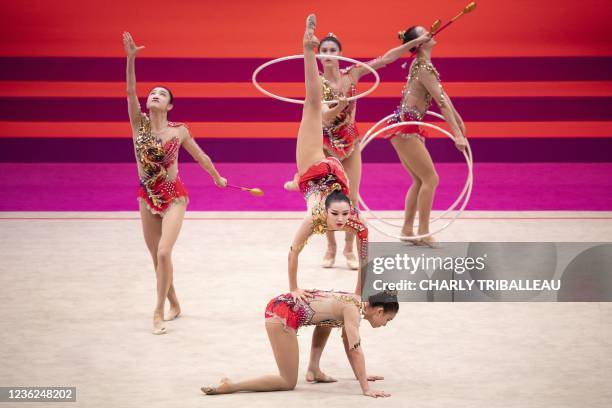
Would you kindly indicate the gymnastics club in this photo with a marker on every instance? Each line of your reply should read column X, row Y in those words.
column 469, row 8
column 257, row 192
column 435, row 26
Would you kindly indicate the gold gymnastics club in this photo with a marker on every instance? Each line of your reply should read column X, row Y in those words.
column 468, row 9
column 435, row 26
column 257, row 192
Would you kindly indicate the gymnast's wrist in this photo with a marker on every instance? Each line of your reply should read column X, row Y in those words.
column 364, row 388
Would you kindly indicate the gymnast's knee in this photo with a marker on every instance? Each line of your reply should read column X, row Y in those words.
column 163, row 254
column 431, row 180
column 416, row 182
column 289, row 384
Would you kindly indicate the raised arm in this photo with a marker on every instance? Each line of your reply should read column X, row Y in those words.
column 434, row 87
column 131, row 51
column 202, row 158
column 389, row 57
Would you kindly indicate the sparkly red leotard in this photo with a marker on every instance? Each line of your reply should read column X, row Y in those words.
column 320, row 180
column 408, row 111
column 324, row 177
column 340, row 136
column 157, row 188
column 326, row 308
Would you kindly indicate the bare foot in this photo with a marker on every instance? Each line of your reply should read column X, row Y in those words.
column 158, row 323
column 318, row 376
column 351, row 260
column 173, row 312
column 311, row 24
column 310, row 40
column 330, row 257
column 223, row 388
column 291, row 186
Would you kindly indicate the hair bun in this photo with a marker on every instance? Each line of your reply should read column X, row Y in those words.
column 386, row 296
column 390, row 296
column 400, row 34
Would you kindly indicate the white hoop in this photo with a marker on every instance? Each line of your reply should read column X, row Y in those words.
column 367, row 139
column 301, row 102
column 467, row 189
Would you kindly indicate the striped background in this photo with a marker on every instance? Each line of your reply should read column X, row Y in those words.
column 533, row 80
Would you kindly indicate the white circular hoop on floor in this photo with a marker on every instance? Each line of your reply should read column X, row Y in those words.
column 464, row 195
column 301, row 102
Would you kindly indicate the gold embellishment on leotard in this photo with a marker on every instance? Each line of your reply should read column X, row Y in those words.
column 329, row 94
column 421, row 63
column 343, row 119
column 150, row 154
column 331, row 323
column 413, row 75
column 348, row 299
column 319, row 219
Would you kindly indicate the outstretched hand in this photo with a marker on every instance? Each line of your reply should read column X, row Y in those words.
column 220, row 182
column 131, row 49
column 376, row 394
column 461, row 143
column 424, row 38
